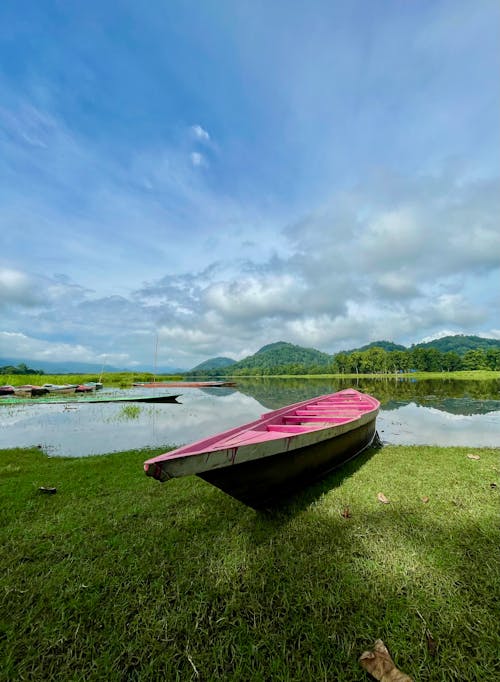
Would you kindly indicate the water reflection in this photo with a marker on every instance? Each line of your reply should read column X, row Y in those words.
column 458, row 397
column 424, row 412
column 414, row 424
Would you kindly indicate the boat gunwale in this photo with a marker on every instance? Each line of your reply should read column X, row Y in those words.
column 186, row 460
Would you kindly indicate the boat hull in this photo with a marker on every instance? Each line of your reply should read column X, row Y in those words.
column 75, row 400
column 280, row 453
column 262, row 483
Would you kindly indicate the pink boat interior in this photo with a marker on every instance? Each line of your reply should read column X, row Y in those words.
column 310, row 415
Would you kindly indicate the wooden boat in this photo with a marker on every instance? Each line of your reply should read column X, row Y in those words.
column 97, row 385
column 85, row 388
column 184, row 384
column 60, row 388
column 283, row 451
column 30, row 391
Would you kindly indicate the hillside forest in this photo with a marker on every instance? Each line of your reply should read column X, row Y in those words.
column 285, row 358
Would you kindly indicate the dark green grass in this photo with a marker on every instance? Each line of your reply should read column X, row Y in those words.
column 118, row 577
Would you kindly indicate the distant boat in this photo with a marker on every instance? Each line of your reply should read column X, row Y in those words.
column 282, row 452
column 183, row 384
column 85, row 388
column 29, row 390
column 32, row 391
column 97, row 385
column 60, row 388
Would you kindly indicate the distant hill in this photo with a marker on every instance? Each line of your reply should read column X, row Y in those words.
column 214, row 363
column 460, row 344
column 457, row 343
column 386, row 345
column 283, row 353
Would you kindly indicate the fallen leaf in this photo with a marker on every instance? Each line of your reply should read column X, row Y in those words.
column 380, row 665
column 471, row 456
column 346, row 513
column 382, row 498
column 425, row 500
column 431, row 643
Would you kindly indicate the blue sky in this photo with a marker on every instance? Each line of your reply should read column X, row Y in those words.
column 222, row 175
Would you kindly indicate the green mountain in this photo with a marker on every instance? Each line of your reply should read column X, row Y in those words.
column 287, row 358
column 282, row 353
column 386, row 345
column 460, row 344
column 457, row 343
column 214, row 363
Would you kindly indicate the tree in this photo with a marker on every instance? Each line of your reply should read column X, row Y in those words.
column 475, row 359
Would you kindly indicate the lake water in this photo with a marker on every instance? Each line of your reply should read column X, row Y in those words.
column 441, row 412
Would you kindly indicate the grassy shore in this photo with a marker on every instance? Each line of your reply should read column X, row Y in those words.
column 118, row 577
column 468, row 375
column 125, row 379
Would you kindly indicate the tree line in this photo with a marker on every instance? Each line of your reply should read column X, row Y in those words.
column 375, row 360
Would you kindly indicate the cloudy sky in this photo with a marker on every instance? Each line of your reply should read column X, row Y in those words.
column 228, row 173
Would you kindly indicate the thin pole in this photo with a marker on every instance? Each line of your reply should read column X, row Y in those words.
column 156, row 358
column 102, row 370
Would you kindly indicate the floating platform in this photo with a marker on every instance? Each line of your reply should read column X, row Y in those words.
column 184, row 384
column 47, row 400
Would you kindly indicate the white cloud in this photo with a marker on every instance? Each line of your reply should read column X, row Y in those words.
column 454, row 308
column 23, row 346
column 187, row 337
column 251, row 297
column 197, row 159
column 397, row 257
column 399, row 285
column 366, row 267
column 395, row 236
column 18, row 288
column 200, row 133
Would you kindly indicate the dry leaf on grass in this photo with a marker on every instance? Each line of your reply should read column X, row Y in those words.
column 380, row 665
column 425, row 500
column 471, row 456
column 382, row 498
column 346, row 513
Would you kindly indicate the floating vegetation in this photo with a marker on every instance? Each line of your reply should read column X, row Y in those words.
column 129, row 412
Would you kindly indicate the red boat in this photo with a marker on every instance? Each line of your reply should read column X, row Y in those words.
column 283, row 451
column 184, row 384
